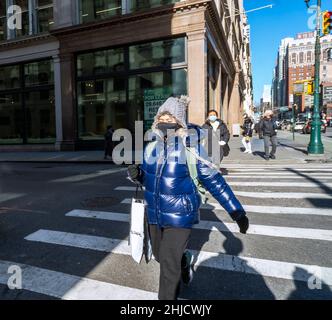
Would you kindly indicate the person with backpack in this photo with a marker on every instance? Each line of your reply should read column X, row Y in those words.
column 217, row 137
column 172, row 183
column 248, row 129
column 268, row 131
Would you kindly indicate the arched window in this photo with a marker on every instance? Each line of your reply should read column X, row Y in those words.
column 309, row 56
column 294, row 58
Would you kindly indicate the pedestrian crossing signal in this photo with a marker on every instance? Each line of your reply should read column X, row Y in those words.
column 327, row 22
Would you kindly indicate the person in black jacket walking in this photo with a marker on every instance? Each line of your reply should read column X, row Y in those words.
column 248, row 129
column 268, row 131
column 217, row 138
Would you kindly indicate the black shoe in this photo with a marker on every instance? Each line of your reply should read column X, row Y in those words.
column 266, row 158
column 243, row 224
column 187, row 271
column 272, row 156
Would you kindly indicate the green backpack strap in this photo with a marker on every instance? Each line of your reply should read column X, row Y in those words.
column 192, row 166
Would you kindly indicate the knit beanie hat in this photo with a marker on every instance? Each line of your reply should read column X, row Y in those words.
column 177, row 107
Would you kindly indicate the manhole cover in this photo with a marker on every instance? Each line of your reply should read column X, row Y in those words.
column 100, row 202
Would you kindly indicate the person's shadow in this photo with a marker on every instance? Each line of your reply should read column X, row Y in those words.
column 311, row 287
column 223, row 275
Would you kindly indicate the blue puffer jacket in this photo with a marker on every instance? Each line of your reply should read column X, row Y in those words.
column 171, row 195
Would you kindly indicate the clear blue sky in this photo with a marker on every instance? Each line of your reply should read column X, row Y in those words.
column 268, row 27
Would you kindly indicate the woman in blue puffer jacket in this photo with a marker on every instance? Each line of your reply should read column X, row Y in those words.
column 172, row 197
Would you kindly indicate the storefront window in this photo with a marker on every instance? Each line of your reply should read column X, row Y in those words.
column 101, row 103
column 100, row 62
column 11, row 119
column 155, row 54
column 38, row 73
column 141, row 87
column 27, row 110
column 40, row 114
column 99, row 9
column 110, row 93
column 9, row 77
column 44, row 11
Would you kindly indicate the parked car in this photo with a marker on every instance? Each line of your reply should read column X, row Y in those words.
column 307, row 127
column 299, row 126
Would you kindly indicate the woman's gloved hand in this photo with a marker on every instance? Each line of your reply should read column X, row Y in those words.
column 133, row 172
column 243, row 224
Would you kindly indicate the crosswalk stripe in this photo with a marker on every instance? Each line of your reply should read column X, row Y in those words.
column 82, row 177
column 69, row 287
column 267, row 195
column 265, row 209
column 283, row 195
column 268, row 177
column 275, row 210
column 9, row 196
column 269, row 268
column 277, row 184
column 272, row 231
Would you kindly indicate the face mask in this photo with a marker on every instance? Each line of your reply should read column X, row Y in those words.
column 213, row 118
column 164, row 126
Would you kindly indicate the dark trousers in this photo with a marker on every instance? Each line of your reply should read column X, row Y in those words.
column 168, row 246
column 267, row 140
column 108, row 149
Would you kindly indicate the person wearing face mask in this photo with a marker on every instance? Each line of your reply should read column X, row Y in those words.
column 217, row 138
column 248, row 128
column 172, row 195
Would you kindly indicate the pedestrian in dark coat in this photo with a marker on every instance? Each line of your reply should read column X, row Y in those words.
column 248, row 129
column 268, row 131
column 108, row 142
column 217, row 138
column 172, row 197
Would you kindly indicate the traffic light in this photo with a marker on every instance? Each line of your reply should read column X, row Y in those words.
column 310, row 88
column 327, row 22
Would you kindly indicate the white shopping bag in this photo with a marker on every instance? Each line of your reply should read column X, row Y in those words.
column 136, row 236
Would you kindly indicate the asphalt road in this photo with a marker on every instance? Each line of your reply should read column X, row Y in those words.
column 66, row 254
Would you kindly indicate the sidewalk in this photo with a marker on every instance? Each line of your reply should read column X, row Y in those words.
column 288, row 152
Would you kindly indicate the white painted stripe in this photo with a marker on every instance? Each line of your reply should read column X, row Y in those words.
column 262, row 267
column 82, row 177
column 268, row 177
column 265, row 209
column 70, row 287
column 269, row 268
column 283, row 195
column 272, row 231
column 10, row 196
column 277, row 184
column 275, row 210
column 267, row 195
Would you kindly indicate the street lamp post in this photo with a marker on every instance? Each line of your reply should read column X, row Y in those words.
column 316, row 145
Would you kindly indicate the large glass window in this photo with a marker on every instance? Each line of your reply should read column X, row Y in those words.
column 40, row 116
column 38, row 73
column 114, row 91
column 100, row 62
column 44, row 12
column 101, row 103
column 24, row 5
column 136, row 5
column 27, row 111
column 155, row 54
column 99, row 9
column 3, row 21
column 11, row 119
column 9, row 77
